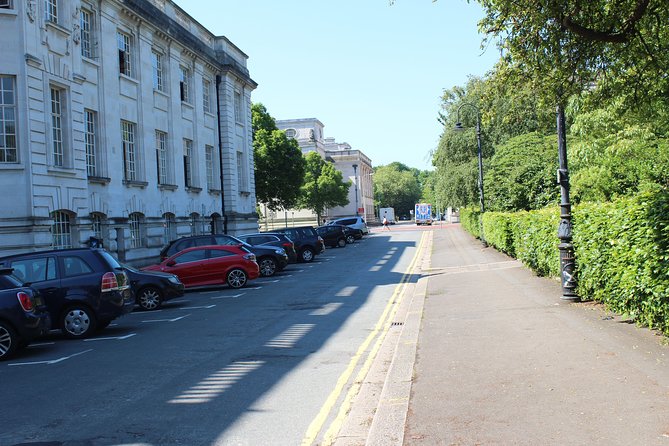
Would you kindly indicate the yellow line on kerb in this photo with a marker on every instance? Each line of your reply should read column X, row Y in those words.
column 383, row 322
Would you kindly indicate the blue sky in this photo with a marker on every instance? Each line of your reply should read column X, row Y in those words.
column 372, row 73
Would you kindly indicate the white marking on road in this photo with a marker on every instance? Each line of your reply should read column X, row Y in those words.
column 41, row 344
column 111, row 338
column 167, row 320
column 289, row 338
column 381, row 262
column 53, row 361
column 216, row 383
column 347, row 291
column 180, row 301
column 269, row 281
column 327, row 309
column 226, row 297
column 254, row 288
column 375, row 268
column 206, row 307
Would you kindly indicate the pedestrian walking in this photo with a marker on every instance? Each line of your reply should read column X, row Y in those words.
column 385, row 222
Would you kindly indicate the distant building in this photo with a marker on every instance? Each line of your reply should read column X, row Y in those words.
column 124, row 120
column 309, row 135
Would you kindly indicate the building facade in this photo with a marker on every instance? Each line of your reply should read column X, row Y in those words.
column 123, row 120
column 309, row 134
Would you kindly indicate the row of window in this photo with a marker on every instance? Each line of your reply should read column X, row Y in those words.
column 62, row 228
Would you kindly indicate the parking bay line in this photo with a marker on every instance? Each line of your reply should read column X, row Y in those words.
column 167, row 320
column 228, row 297
column 53, row 361
column 206, row 307
column 114, row 338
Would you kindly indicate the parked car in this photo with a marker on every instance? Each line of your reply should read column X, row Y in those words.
column 307, row 242
column 84, row 289
column 333, row 235
column 269, row 258
column 23, row 315
column 351, row 234
column 353, row 222
column 152, row 288
column 211, row 265
column 276, row 239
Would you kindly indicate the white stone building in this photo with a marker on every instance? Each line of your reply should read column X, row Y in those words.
column 309, row 134
column 125, row 120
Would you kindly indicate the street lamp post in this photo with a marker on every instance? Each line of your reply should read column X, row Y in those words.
column 459, row 127
column 355, row 178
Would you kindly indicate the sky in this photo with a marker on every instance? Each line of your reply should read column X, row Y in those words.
column 372, row 73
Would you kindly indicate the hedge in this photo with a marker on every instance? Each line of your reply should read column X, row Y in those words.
column 622, row 250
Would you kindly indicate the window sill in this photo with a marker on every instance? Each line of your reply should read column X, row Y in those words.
column 209, row 113
column 193, row 189
column 168, row 187
column 8, row 11
column 91, row 61
column 61, row 171
column 215, row 191
column 161, row 93
column 12, row 166
column 187, row 105
column 128, row 78
column 138, row 184
column 59, row 28
column 99, row 180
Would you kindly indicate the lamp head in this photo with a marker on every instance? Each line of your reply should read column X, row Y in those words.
column 458, row 127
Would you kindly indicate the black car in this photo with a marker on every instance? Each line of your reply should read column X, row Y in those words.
column 272, row 239
column 270, row 259
column 23, row 315
column 308, row 243
column 351, row 234
column 84, row 289
column 152, row 288
column 333, row 235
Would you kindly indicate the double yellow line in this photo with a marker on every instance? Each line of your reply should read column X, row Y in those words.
column 379, row 332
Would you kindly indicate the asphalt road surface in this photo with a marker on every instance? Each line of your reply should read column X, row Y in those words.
column 270, row 364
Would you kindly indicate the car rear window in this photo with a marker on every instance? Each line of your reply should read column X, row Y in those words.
column 35, row 270
column 110, row 260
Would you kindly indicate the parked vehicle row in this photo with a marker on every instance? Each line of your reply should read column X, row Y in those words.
column 82, row 290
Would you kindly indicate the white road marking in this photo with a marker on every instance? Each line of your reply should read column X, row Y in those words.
column 53, row 361
column 167, row 320
column 198, row 308
column 112, row 338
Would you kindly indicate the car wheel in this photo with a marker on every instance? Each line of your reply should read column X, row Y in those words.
column 236, row 278
column 150, row 298
column 78, row 322
column 9, row 341
column 267, row 266
column 341, row 242
column 350, row 239
column 307, row 255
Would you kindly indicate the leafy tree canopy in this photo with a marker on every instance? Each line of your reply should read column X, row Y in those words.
column 279, row 164
column 323, row 186
column 396, row 187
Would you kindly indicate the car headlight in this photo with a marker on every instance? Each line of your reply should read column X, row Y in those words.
column 280, row 251
column 175, row 280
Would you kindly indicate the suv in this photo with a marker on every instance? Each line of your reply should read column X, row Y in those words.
column 84, row 289
column 23, row 315
column 353, row 222
column 308, row 243
column 333, row 235
column 272, row 239
column 270, row 259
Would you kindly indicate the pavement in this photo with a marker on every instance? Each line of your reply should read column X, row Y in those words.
column 488, row 354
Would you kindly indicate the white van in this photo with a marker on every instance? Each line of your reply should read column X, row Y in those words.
column 352, row 222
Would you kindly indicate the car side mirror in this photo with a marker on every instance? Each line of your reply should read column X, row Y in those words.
column 171, row 263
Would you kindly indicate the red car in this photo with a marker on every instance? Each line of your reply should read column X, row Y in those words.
column 211, row 265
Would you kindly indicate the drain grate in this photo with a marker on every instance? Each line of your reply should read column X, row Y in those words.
column 396, row 324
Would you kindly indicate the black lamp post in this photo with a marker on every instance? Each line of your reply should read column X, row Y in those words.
column 355, row 177
column 459, row 127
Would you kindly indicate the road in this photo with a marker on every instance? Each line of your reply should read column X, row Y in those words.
column 270, row 364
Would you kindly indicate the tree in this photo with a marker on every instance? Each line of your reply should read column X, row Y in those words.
column 279, row 164
column 396, row 186
column 323, row 186
column 521, row 174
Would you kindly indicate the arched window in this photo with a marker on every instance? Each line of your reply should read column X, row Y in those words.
column 136, row 224
column 216, row 224
column 170, row 227
column 61, row 230
column 99, row 225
